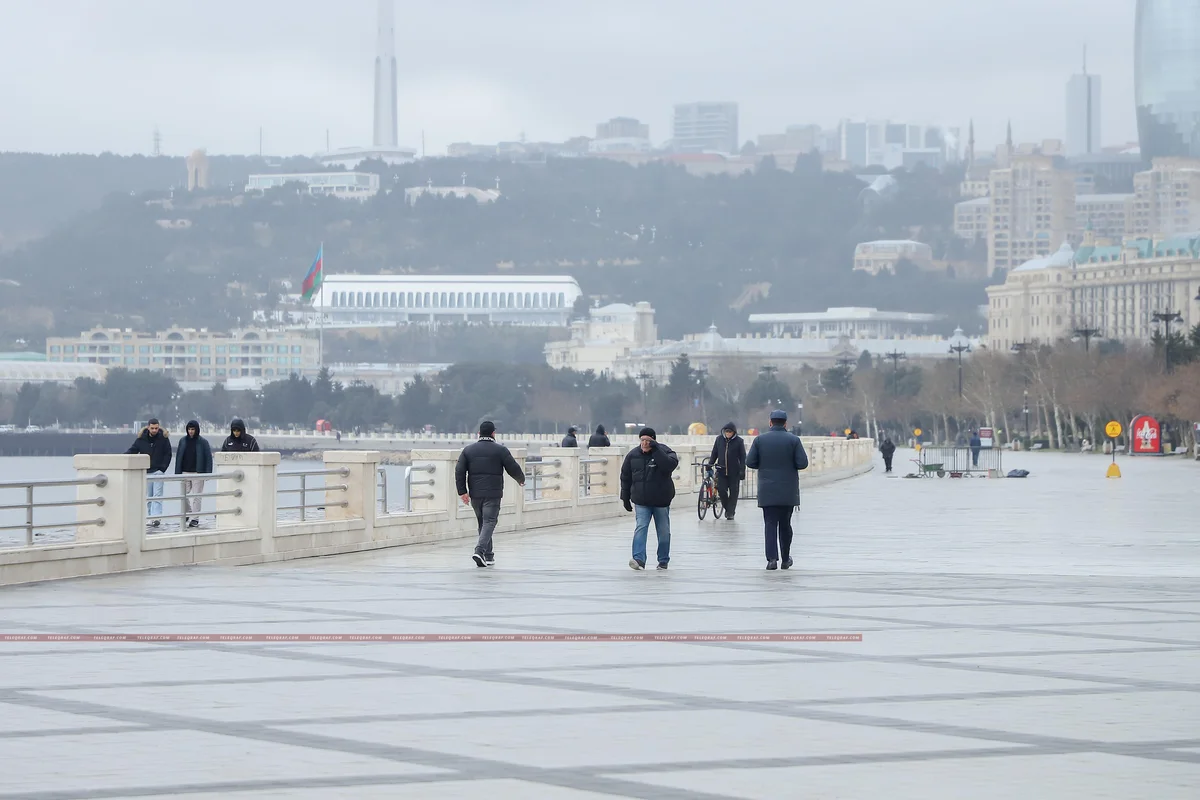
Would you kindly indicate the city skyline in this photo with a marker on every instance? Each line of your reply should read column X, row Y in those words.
column 298, row 69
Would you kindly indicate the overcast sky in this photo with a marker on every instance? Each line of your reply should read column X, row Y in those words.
column 95, row 75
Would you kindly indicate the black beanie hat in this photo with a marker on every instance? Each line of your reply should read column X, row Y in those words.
column 647, row 432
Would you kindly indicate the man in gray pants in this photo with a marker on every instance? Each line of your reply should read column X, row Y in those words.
column 479, row 479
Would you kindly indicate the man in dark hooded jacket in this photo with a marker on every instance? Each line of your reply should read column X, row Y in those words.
column 193, row 457
column 778, row 456
column 238, row 441
column 569, row 440
column 153, row 442
column 599, row 438
column 887, row 450
column 729, row 458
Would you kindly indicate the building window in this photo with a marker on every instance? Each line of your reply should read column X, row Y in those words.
column 562, row 299
column 394, row 300
column 376, row 303
column 426, row 299
column 460, row 300
column 358, row 300
column 511, row 299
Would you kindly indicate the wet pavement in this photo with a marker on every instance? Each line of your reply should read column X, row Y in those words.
column 1036, row 637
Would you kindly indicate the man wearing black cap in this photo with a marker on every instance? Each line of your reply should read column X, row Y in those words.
column 570, row 440
column 647, row 486
column 778, row 456
column 479, row 478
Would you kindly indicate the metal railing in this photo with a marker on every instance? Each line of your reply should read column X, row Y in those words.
column 536, row 477
column 31, row 503
column 303, row 506
column 409, row 496
column 591, row 474
column 184, row 496
column 957, row 461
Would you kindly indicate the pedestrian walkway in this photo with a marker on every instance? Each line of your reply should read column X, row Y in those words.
column 1035, row 637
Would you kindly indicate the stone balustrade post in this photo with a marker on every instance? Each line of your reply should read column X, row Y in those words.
column 685, row 477
column 362, row 485
column 432, row 477
column 259, row 499
column 566, row 485
column 124, row 496
column 609, row 473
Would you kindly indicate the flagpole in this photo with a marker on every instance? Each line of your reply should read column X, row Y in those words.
column 321, row 313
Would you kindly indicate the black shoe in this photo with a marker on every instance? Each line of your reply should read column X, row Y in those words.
column 772, row 565
column 193, row 523
column 787, row 564
column 155, row 523
column 635, row 564
column 662, row 565
column 490, row 559
column 478, row 558
column 729, row 517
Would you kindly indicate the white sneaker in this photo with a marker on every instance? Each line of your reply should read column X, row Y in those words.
column 635, row 564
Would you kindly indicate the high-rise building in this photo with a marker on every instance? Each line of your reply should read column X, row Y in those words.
column 895, row 144
column 386, row 134
column 1167, row 201
column 1032, row 210
column 1083, row 114
column 197, row 171
column 1167, row 78
column 622, row 128
column 700, row 127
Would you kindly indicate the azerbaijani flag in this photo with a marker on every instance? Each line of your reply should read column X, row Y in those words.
column 315, row 276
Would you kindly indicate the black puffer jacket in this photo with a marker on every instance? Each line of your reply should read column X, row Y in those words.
column 158, row 447
column 239, row 444
column 481, row 467
column 646, row 477
column 569, row 441
column 599, row 438
column 730, row 454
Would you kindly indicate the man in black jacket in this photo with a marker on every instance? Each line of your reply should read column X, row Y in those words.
column 729, row 458
column 647, row 485
column 570, row 439
column 194, row 457
column 887, row 449
column 479, row 479
column 238, row 441
column 153, row 442
column 778, row 456
column 599, row 438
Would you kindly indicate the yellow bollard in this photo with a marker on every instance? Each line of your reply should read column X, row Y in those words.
column 1113, row 471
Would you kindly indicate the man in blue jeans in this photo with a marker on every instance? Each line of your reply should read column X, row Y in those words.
column 647, row 486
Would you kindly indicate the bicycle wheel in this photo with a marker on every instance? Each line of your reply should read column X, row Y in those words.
column 701, row 503
column 715, row 500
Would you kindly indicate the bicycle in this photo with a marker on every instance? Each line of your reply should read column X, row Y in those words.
column 708, row 497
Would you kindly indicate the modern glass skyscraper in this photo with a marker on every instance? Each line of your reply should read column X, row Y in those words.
column 1167, row 77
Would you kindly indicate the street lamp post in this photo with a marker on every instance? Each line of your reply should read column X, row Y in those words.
column 1167, row 317
column 644, row 379
column 1025, row 412
column 896, row 357
column 1087, row 334
column 959, row 344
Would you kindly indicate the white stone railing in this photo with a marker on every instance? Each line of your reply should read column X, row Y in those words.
column 249, row 529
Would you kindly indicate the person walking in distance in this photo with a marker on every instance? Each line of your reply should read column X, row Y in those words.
column 479, row 479
column 153, row 442
column 570, row 439
column 647, row 489
column 976, row 444
column 194, row 457
column 778, row 456
column 887, row 450
column 599, row 438
column 729, row 458
column 238, row 441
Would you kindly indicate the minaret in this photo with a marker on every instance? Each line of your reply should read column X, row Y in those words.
column 971, row 145
column 385, row 78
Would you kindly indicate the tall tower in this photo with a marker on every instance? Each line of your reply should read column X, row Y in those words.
column 1083, row 112
column 385, row 78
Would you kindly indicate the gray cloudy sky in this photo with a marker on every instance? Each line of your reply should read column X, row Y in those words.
column 93, row 75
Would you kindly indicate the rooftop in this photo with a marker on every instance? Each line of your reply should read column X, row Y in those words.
column 846, row 314
column 1063, row 257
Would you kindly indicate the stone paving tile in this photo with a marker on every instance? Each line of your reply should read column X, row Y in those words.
column 168, row 758
column 399, row 695
column 1180, row 667
column 1116, row 717
column 1076, row 776
column 652, row 737
column 23, row 719
column 423, row 790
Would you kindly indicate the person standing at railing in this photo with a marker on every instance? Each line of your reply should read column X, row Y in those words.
column 155, row 443
column 599, row 438
column 479, row 479
column 238, row 441
column 570, row 439
column 778, row 456
column 194, row 457
column 729, row 457
column 647, row 489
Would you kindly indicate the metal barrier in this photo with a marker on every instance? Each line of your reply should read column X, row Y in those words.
column 29, row 526
column 537, row 477
column 591, row 473
column 958, row 461
column 183, row 498
column 409, row 496
column 304, row 489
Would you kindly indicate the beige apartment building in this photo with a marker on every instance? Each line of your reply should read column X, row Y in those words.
column 1032, row 210
column 191, row 355
column 1168, row 198
column 1115, row 289
column 883, row 255
column 971, row 218
column 1107, row 216
column 608, row 333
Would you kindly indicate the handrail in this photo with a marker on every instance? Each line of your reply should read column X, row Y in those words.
column 28, row 487
column 97, row 480
column 304, row 474
column 184, row 497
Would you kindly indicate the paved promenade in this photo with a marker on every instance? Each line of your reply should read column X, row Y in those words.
column 1024, row 638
